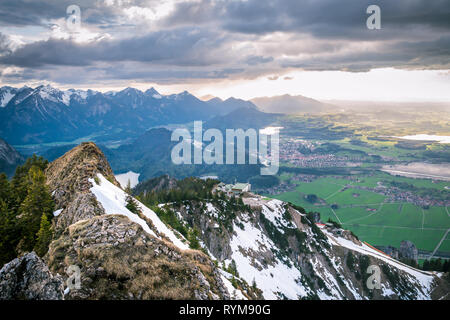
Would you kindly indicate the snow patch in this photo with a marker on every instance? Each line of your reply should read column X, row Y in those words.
column 423, row 279
column 7, row 96
column 271, row 279
column 234, row 293
column 273, row 211
column 113, row 200
column 211, row 210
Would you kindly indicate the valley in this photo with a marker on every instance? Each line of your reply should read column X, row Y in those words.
column 384, row 189
column 346, row 183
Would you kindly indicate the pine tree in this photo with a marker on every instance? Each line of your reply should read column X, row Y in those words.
column 44, row 236
column 9, row 233
column 193, row 239
column 37, row 202
column 21, row 179
column 5, row 190
column 132, row 205
column 128, row 188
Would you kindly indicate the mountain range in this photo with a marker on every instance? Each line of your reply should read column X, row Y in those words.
column 288, row 104
column 46, row 114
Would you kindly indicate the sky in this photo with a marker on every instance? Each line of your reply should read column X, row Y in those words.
column 242, row 48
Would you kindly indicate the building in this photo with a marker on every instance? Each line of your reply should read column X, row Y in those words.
column 235, row 189
column 239, row 188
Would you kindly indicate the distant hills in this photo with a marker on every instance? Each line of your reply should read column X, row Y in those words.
column 242, row 118
column 287, row 104
column 9, row 158
column 46, row 114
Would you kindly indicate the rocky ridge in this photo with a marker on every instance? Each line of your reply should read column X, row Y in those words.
column 254, row 248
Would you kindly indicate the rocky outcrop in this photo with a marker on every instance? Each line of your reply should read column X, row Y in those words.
column 68, row 179
column 215, row 235
column 118, row 260
column 28, row 278
column 280, row 243
column 390, row 250
column 158, row 184
column 9, row 157
column 408, row 250
column 116, row 257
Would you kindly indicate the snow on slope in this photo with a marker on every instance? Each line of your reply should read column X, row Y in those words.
column 7, row 96
column 273, row 211
column 234, row 293
column 161, row 227
column 270, row 279
column 422, row 278
column 131, row 176
column 113, row 200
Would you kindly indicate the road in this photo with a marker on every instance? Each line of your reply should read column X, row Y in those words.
column 439, row 244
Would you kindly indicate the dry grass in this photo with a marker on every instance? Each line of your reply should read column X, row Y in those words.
column 138, row 267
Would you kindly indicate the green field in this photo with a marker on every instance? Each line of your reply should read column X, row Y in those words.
column 445, row 246
column 368, row 214
column 356, row 196
column 384, row 236
column 323, row 188
column 368, row 140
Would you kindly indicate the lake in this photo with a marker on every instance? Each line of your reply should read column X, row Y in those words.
column 427, row 137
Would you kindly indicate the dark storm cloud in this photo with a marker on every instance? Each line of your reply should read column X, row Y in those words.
column 222, row 38
column 404, row 54
column 4, row 44
column 256, row 60
column 321, row 18
column 37, row 13
column 184, row 46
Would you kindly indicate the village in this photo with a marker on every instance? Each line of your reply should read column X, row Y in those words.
column 299, row 153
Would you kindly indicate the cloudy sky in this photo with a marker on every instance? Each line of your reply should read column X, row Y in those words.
column 241, row 48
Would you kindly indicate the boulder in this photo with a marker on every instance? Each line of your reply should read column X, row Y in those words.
column 28, row 278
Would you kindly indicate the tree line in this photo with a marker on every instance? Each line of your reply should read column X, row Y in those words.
column 26, row 211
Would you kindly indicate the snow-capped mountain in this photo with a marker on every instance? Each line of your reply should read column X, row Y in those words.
column 6, row 94
column 48, row 114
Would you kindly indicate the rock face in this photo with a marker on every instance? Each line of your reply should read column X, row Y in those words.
column 68, row 178
column 118, row 260
column 28, row 278
column 408, row 250
column 164, row 182
column 282, row 250
column 9, row 157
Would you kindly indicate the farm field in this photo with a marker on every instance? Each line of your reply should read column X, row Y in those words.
column 445, row 246
column 384, row 236
column 369, row 215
